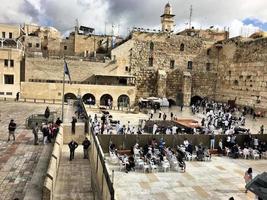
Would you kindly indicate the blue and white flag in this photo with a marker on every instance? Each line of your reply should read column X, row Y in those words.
column 66, row 70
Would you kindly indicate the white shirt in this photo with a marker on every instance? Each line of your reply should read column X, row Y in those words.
column 174, row 129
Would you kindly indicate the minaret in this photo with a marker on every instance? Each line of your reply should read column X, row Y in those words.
column 167, row 19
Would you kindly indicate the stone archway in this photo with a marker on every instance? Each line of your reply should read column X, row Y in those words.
column 105, row 99
column 196, row 100
column 123, row 101
column 68, row 96
column 89, row 99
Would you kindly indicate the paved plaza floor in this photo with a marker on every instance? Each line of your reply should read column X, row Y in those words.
column 220, row 178
column 19, row 158
column 18, row 162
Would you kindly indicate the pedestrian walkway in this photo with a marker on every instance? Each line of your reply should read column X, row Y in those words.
column 74, row 177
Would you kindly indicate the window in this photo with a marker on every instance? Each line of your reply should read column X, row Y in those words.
column 6, row 62
column 65, row 47
column 182, row 47
column 208, row 66
column 126, row 69
column 172, row 62
column 45, row 37
column 151, row 47
column 37, row 45
column 9, row 93
column 208, row 52
column 29, row 45
column 11, row 63
column 9, row 79
column 236, row 82
column 2, row 93
column 150, row 62
column 3, row 35
column 10, row 35
column 190, row 65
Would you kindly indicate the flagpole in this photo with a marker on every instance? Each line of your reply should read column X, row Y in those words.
column 63, row 94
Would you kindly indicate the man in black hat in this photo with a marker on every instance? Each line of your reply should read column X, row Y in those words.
column 86, row 144
column 72, row 145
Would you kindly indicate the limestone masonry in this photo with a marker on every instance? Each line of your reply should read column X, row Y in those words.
column 183, row 67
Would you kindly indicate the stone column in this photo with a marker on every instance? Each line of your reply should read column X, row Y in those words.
column 162, row 77
column 187, row 83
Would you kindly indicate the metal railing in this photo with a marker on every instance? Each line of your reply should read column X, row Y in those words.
column 99, row 157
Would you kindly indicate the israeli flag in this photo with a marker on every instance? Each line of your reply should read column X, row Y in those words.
column 66, row 70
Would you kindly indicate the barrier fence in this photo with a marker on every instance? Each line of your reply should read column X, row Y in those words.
column 102, row 185
column 125, row 142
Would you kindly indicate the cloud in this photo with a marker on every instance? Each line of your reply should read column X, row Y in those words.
column 126, row 14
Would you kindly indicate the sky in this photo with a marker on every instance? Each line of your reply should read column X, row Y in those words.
column 242, row 17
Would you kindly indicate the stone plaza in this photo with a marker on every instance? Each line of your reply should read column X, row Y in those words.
column 124, row 91
column 23, row 166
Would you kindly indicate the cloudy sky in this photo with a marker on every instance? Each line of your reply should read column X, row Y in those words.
column 241, row 16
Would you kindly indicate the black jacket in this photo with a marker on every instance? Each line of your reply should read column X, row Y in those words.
column 73, row 145
column 86, row 144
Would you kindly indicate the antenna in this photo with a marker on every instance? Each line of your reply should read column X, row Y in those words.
column 105, row 28
column 77, row 25
column 190, row 16
column 112, row 30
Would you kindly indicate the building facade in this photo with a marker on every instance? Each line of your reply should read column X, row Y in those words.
column 183, row 67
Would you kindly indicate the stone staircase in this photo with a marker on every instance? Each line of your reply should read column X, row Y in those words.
column 74, row 177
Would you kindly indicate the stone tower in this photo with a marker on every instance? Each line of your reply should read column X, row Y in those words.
column 167, row 19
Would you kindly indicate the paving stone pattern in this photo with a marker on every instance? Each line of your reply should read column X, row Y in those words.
column 18, row 159
column 74, row 177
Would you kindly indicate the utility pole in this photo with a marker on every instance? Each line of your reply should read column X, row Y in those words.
column 190, row 16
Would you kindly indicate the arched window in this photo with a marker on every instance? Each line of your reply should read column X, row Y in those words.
column 236, row 82
column 182, row 47
column 69, row 96
column 89, row 99
column 208, row 66
column 208, row 52
column 123, row 101
column 190, row 65
column 150, row 62
column 106, row 100
column 151, row 46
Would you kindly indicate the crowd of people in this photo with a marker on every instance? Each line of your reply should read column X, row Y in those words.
column 151, row 157
column 49, row 131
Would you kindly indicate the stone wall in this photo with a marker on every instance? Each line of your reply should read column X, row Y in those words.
column 53, row 91
column 52, row 171
column 174, row 84
column 171, row 53
column 242, row 72
column 52, row 69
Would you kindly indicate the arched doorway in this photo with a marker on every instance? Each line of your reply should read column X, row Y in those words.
column 123, row 101
column 196, row 100
column 171, row 102
column 69, row 96
column 105, row 100
column 89, row 99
